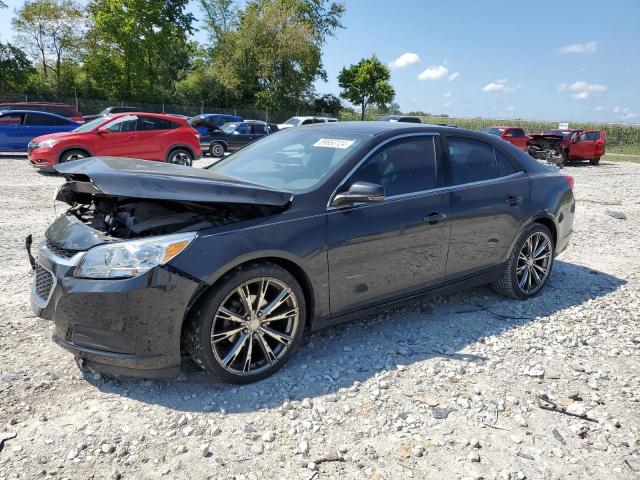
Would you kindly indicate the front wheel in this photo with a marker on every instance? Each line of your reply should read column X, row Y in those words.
column 528, row 268
column 181, row 156
column 249, row 326
column 217, row 150
column 71, row 155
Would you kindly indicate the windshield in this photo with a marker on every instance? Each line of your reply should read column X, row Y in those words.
column 228, row 127
column 493, row 131
column 564, row 133
column 293, row 121
column 87, row 127
column 291, row 160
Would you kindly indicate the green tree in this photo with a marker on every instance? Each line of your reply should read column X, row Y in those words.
column 366, row 82
column 139, row 48
column 15, row 68
column 219, row 16
column 327, row 103
column 50, row 31
column 274, row 55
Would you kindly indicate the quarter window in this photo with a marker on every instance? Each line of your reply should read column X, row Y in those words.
column 403, row 166
column 471, row 161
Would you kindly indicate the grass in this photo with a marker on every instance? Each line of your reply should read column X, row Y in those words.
column 625, row 157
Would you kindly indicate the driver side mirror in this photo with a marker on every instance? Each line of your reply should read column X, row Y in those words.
column 103, row 131
column 360, row 192
column 575, row 140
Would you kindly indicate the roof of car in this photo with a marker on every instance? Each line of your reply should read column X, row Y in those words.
column 378, row 127
column 39, row 112
column 504, row 126
column 166, row 116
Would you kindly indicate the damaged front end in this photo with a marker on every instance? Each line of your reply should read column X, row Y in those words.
column 547, row 147
column 122, row 199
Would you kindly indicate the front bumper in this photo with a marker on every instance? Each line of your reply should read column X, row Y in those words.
column 129, row 326
column 42, row 158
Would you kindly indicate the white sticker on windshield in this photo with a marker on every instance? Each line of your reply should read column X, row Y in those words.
column 333, row 143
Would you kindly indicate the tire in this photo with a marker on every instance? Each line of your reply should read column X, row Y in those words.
column 510, row 283
column 242, row 339
column 595, row 161
column 71, row 155
column 565, row 159
column 180, row 156
column 217, row 149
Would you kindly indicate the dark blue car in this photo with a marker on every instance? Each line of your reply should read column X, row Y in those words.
column 208, row 122
column 19, row 127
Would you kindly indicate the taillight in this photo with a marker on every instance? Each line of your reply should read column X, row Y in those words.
column 569, row 180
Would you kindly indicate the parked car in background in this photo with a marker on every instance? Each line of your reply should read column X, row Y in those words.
column 62, row 109
column 514, row 135
column 111, row 111
column 208, row 122
column 299, row 231
column 299, row 121
column 233, row 136
column 400, row 118
column 566, row 146
column 146, row 136
column 19, row 127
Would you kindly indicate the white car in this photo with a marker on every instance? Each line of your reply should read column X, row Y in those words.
column 298, row 121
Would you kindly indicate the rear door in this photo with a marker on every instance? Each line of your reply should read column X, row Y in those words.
column 488, row 198
column 378, row 251
column 154, row 137
column 258, row 131
column 11, row 132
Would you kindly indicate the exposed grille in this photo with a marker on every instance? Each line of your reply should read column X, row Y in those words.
column 43, row 283
column 60, row 251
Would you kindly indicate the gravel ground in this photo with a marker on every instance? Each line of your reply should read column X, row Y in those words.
column 446, row 388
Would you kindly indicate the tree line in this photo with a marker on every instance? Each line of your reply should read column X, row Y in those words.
column 263, row 54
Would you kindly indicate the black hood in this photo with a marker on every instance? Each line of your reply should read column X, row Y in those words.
column 125, row 177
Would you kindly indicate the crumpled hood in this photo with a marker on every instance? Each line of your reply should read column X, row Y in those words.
column 125, row 177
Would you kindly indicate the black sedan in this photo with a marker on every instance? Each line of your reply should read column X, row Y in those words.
column 233, row 136
column 296, row 232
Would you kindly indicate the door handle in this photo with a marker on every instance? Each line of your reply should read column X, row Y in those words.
column 435, row 217
column 513, row 200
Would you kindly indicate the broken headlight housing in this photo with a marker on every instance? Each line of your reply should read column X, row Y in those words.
column 131, row 258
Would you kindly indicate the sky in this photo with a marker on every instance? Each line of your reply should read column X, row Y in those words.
column 543, row 60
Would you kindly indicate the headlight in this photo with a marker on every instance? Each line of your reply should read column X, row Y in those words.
column 46, row 143
column 131, row 258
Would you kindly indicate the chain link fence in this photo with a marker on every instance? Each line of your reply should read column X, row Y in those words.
column 90, row 106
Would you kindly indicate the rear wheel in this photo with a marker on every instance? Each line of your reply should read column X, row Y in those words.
column 217, row 150
column 249, row 326
column 180, row 156
column 595, row 161
column 71, row 155
column 529, row 266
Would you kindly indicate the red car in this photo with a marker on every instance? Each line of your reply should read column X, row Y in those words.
column 147, row 136
column 61, row 109
column 564, row 146
column 513, row 135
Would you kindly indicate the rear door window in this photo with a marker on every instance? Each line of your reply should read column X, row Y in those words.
column 154, row 123
column 259, row 129
column 471, row 161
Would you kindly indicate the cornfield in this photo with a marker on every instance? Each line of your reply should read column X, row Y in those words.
column 620, row 138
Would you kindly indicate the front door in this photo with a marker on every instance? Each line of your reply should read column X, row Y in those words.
column 240, row 136
column 122, row 139
column 380, row 251
column 585, row 145
column 488, row 195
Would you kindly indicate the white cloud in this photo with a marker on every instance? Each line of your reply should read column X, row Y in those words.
column 447, row 104
column 404, row 60
column 588, row 48
column 580, row 95
column 582, row 86
column 562, row 87
column 433, row 73
column 453, row 76
column 500, row 85
column 511, row 109
column 620, row 110
column 447, row 95
column 598, row 108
